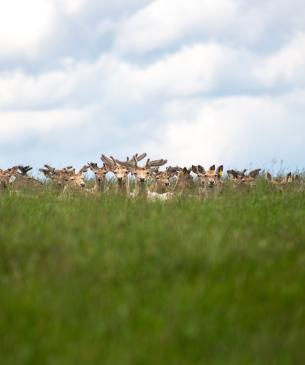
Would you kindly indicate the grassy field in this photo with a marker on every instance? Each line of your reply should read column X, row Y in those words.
column 87, row 280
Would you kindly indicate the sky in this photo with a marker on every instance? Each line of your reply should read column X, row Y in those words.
column 196, row 82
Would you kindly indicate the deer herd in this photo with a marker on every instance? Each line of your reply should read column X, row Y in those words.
column 134, row 177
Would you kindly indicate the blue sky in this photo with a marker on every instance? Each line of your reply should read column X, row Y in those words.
column 195, row 81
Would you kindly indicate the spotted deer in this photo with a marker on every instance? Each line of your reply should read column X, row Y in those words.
column 100, row 176
column 67, row 178
column 6, row 177
column 121, row 171
column 142, row 173
column 184, row 181
column 208, row 181
column 240, row 178
column 23, row 180
column 282, row 181
column 160, row 187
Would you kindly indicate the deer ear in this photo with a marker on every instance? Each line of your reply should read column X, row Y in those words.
column 194, row 169
column 201, row 169
column 212, row 168
column 219, row 170
column 185, row 170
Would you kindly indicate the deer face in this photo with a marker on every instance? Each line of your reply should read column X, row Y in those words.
column 76, row 180
column 241, row 178
column 208, row 178
column 141, row 174
column 99, row 172
column 162, row 178
column 121, row 173
column 72, row 178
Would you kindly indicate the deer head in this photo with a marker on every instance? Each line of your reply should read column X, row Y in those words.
column 209, row 178
column 289, row 178
column 76, row 179
column 184, row 179
column 119, row 168
column 142, row 173
column 67, row 176
column 99, row 172
column 241, row 178
column 7, row 175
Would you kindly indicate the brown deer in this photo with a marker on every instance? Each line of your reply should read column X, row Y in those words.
column 184, row 180
column 121, row 171
column 100, row 176
column 67, row 178
column 282, row 181
column 240, row 178
column 23, row 180
column 142, row 173
column 208, row 181
column 6, row 177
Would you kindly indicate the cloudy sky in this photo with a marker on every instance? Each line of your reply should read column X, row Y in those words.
column 195, row 81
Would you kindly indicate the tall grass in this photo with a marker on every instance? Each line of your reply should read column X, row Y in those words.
column 107, row 280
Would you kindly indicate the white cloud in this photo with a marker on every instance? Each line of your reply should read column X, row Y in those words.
column 200, row 68
column 24, row 24
column 232, row 130
column 285, row 66
column 195, row 69
column 162, row 21
column 70, row 7
column 15, row 125
column 194, row 82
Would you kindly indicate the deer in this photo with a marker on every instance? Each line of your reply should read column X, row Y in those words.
column 6, row 177
column 121, row 171
column 22, row 179
column 162, row 180
column 67, row 178
column 184, row 180
column 142, row 173
column 210, row 180
column 240, row 178
column 100, row 176
column 282, row 181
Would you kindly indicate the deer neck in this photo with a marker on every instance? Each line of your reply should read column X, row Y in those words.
column 141, row 189
column 100, row 185
column 123, row 186
column 160, row 188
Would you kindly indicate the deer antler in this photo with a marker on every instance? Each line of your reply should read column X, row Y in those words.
column 24, row 169
column 155, row 163
column 109, row 162
column 254, row 173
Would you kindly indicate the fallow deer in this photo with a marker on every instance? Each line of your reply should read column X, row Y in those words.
column 6, row 177
column 121, row 171
column 100, row 176
column 210, row 180
column 142, row 173
column 282, row 181
column 159, row 190
column 67, row 178
column 23, row 180
column 184, row 180
column 240, row 178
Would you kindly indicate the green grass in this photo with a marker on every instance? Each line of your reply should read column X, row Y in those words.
column 86, row 280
